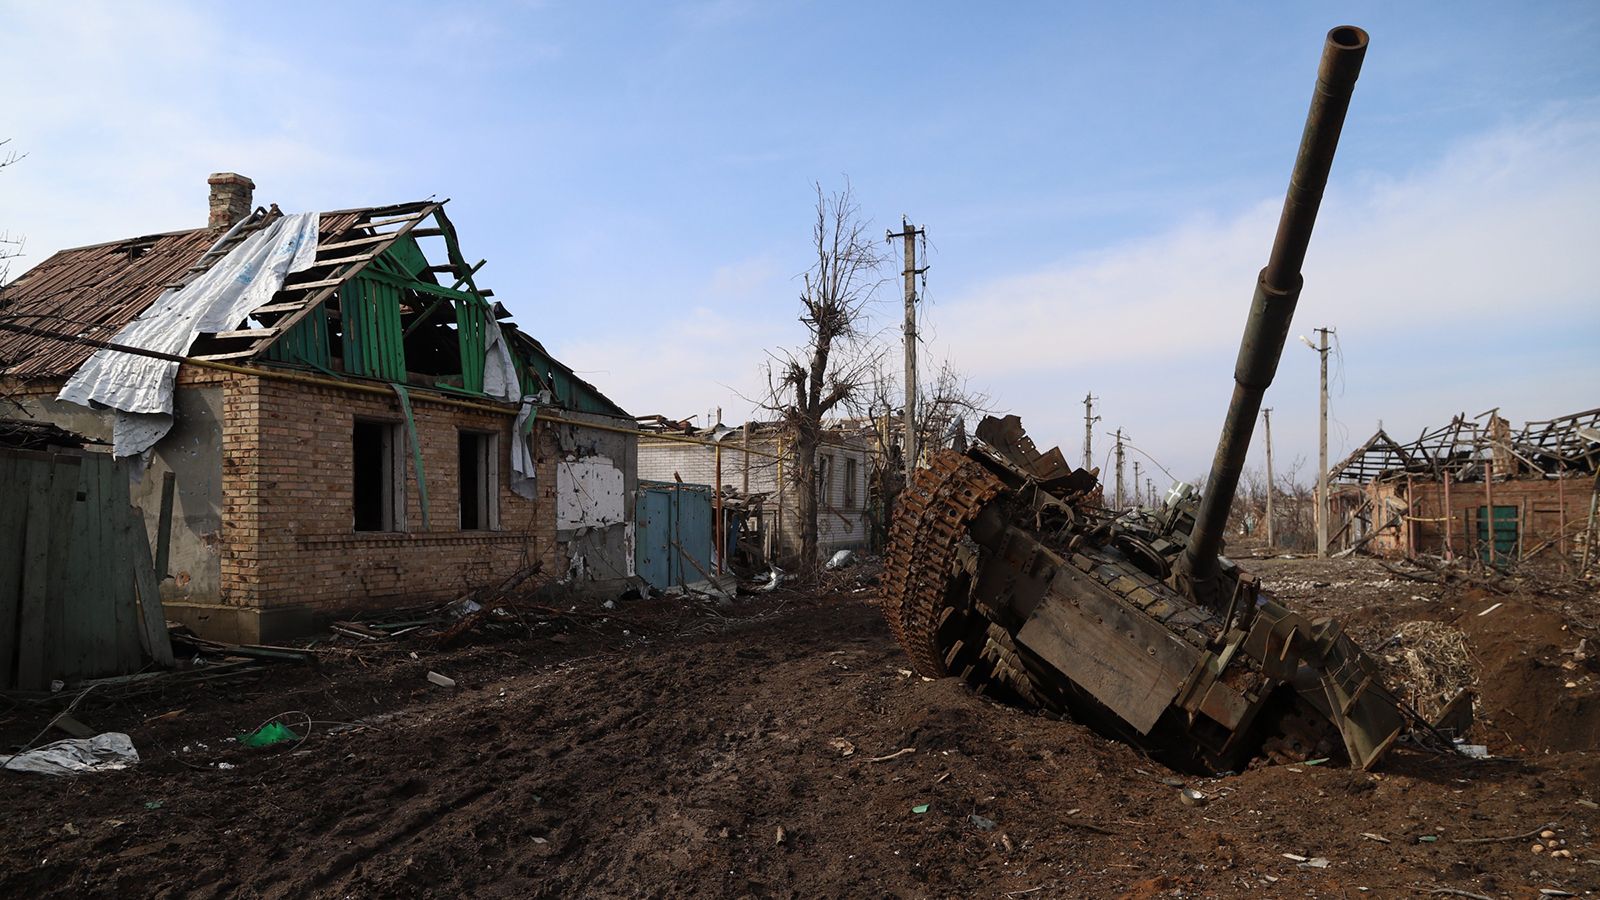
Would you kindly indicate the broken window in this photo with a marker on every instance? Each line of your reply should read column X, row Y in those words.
column 479, row 473
column 850, row 476
column 824, row 480
column 378, row 469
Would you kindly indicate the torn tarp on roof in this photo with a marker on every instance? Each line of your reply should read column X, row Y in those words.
column 139, row 388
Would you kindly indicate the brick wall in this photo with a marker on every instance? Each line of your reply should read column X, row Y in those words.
column 1542, row 506
column 288, row 503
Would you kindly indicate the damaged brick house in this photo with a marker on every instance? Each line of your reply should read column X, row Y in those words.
column 368, row 429
column 1476, row 487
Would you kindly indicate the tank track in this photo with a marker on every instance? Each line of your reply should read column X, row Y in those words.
column 935, row 510
column 923, row 557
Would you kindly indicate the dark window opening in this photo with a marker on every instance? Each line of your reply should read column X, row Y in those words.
column 377, row 495
column 478, row 473
column 850, row 477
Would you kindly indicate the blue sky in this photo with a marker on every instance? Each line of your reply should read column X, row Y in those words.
column 1099, row 183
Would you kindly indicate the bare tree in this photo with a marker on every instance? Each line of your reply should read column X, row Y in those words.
column 10, row 247
column 945, row 406
column 831, row 371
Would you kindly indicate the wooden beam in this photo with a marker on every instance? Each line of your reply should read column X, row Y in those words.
column 293, row 319
column 164, row 526
column 248, row 333
column 336, row 261
column 356, row 242
column 277, row 308
column 146, row 590
column 379, row 223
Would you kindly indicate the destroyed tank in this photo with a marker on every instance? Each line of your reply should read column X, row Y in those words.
column 1004, row 567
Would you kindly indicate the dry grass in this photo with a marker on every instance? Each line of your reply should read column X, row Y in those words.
column 1431, row 662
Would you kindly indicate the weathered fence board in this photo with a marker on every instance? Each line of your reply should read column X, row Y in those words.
column 78, row 587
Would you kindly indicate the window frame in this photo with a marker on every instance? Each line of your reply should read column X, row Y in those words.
column 392, row 480
column 487, row 490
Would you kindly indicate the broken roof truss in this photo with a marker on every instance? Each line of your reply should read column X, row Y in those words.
column 1563, row 445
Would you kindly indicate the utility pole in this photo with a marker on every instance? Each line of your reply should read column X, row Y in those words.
column 1120, row 494
column 1322, row 450
column 909, row 235
column 1272, row 534
column 1138, row 498
column 1089, row 418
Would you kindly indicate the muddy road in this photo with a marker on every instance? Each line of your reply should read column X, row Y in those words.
column 781, row 749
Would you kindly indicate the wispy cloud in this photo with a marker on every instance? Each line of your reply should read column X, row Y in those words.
column 1508, row 219
column 1497, row 235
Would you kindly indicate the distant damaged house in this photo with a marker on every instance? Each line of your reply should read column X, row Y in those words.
column 1475, row 487
column 756, row 460
column 350, row 419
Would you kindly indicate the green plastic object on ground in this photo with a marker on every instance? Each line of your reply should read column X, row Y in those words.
column 267, row 735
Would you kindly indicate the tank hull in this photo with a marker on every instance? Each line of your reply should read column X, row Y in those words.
column 1004, row 570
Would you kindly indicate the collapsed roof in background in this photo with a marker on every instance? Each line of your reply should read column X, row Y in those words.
column 1568, row 444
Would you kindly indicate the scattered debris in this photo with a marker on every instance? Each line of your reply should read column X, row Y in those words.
column 841, row 560
column 844, row 747
column 72, row 726
column 268, row 735
column 1549, row 826
column 443, row 681
column 1192, row 797
column 920, row 808
column 981, row 823
column 1374, row 837
column 895, row 755
column 103, row 752
column 1432, row 660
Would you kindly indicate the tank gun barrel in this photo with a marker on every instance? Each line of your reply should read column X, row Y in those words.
column 1277, row 291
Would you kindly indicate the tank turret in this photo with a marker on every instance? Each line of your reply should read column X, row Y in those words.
column 1005, row 569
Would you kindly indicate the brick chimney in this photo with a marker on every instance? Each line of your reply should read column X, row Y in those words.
column 232, row 198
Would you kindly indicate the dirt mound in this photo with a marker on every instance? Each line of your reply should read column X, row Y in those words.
column 1526, row 661
column 1536, row 693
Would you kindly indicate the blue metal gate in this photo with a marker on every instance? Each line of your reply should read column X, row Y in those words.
column 672, row 533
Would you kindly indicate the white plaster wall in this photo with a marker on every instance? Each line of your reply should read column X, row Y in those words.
column 590, row 492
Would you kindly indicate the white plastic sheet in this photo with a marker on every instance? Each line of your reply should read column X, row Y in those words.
column 523, row 481
column 140, row 388
column 500, row 379
column 103, row 752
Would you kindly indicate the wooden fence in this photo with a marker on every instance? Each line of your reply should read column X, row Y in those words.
column 78, row 588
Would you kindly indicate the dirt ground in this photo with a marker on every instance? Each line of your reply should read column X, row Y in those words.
column 782, row 748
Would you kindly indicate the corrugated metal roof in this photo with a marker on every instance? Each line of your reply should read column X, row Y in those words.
column 94, row 291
